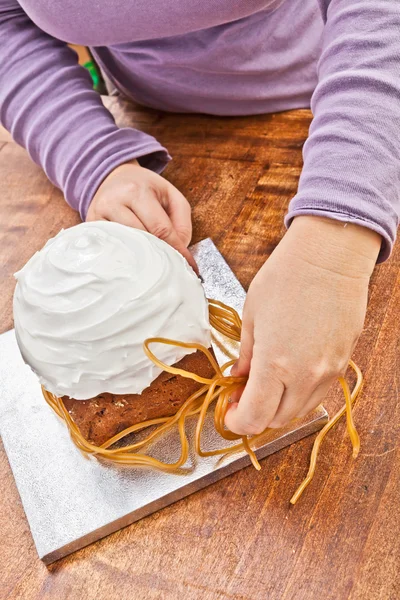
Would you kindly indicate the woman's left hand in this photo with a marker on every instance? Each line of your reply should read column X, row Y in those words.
column 303, row 315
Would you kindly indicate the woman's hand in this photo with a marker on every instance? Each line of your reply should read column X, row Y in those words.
column 137, row 197
column 303, row 315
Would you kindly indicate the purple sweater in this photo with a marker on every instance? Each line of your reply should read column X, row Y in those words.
column 220, row 57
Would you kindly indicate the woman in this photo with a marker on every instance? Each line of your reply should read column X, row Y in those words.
column 306, row 306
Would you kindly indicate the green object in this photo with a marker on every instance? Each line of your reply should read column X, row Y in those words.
column 92, row 68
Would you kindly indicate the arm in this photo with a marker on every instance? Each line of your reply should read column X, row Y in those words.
column 352, row 156
column 305, row 308
column 48, row 104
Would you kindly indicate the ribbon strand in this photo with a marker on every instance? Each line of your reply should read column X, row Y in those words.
column 218, row 389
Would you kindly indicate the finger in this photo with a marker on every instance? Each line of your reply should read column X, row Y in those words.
column 297, row 403
column 94, row 218
column 180, row 213
column 241, row 367
column 237, row 394
column 124, row 215
column 190, row 258
column 259, row 401
column 157, row 222
column 317, row 398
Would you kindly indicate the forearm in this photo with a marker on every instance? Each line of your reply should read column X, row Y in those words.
column 345, row 249
column 352, row 157
column 48, row 104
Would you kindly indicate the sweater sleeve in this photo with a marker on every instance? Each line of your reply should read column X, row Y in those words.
column 352, row 156
column 48, row 105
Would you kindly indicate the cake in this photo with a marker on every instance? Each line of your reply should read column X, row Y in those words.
column 85, row 309
column 83, row 306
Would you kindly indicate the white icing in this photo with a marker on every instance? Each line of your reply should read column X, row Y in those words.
column 84, row 304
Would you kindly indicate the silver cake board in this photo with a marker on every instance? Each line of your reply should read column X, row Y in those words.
column 71, row 501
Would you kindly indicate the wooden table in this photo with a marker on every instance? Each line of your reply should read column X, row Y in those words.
column 238, row 539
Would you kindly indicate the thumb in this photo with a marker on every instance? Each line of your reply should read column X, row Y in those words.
column 242, row 365
column 259, row 400
column 254, row 406
column 241, row 368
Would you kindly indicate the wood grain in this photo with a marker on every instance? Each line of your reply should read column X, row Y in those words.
column 238, row 539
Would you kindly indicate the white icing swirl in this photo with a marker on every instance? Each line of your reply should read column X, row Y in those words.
column 84, row 304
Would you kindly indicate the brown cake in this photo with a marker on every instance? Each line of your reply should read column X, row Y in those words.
column 106, row 415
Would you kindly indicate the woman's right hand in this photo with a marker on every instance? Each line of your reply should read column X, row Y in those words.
column 138, row 197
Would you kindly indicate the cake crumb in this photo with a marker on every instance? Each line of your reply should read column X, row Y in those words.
column 120, row 403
